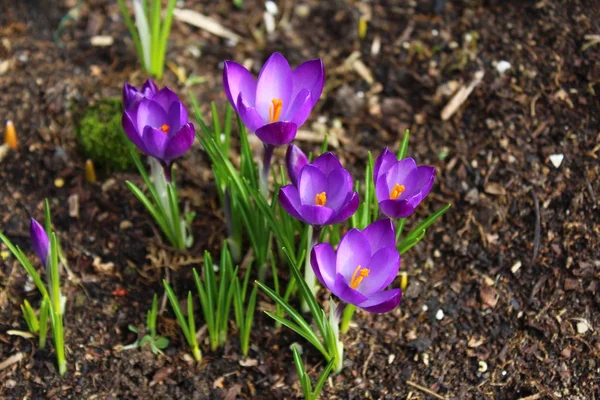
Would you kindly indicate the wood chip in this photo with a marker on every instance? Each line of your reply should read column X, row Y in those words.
column 73, row 202
column 461, row 96
column 102, row 41
column 198, row 20
column 15, row 358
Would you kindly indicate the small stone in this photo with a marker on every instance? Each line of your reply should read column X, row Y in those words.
column 439, row 315
column 271, row 7
column 59, row 182
column 482, row 367
column 503, row 66
column 102, row 41
column 583, row 326
column 391, row 358
column 424, row 308
column 125, row 224
column 556, row 159
column 302, row 10
column 516, row 266
column 73, row 202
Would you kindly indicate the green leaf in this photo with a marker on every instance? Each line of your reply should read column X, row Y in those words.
column 20, row 256
column 301, row 326
column 132, row 328
column 403, row 150
column 30, row 317
column 419, row 230
column 161, row 342
column 323, row 379
column 178, row 312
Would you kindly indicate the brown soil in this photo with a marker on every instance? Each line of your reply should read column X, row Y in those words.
column 513, row 266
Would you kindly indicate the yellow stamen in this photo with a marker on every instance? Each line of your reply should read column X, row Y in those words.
column 275, row 110
column 10, row 135
column 165, row 128
column 358, row 276
column 321, row 199
column 397, row 191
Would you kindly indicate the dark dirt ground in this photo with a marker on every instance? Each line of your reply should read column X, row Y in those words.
column 513, row 266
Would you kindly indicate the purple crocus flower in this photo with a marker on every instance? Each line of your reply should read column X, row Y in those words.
column 323, row 194
column 158, row 125
column 131, row 94
column 280, row 101
column 295, row 160
column 365, row 264
column 400, row 185
column 40, row 241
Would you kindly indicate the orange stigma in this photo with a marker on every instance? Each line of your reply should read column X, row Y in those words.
column 396, row 191
column 275, row 110
column 165, row 128
column 358, row 276
column 321, row 199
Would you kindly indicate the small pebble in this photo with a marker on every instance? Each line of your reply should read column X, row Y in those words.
column 439, row 315
column 59, row 182
column 271, row 7
column 503, row 66
column 556, row 159
column 391, row 358
column 482, row 367
column 424, row 308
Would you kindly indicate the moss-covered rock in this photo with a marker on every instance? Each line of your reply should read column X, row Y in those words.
column 101, row 136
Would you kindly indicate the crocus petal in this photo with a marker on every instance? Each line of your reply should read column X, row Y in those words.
column 382, row 192
column 322, row 259
column 295, row 160
column 397, row 208
column 277, row 133
column 354, row 251
column 130, row 128
column 342, row 290
column 131, row 95
column 312, row 182
column 149, row 113
column 347, row 210
column 40, row 241
column 339, row 186
column 238, row 80
column 316, row 215
column 156, row 142
column 327, row 162
column 382, row 302
column 249, row 116
column 275, row 81
column 165, row 97
column 384, row 162
column 290, row 201
column 149, row 88
column 180, row 142
column 309, row 75
column 401, row 173
column 426, row 176
column 300, row 108
column 176, row 117
column 383, row 268
column 380, row 234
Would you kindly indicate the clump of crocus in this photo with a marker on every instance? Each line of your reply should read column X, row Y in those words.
column 158, row 125
column 365, row 264
column 132, row 95
column 400, row 185
column 280, row 101
column 323, row 193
